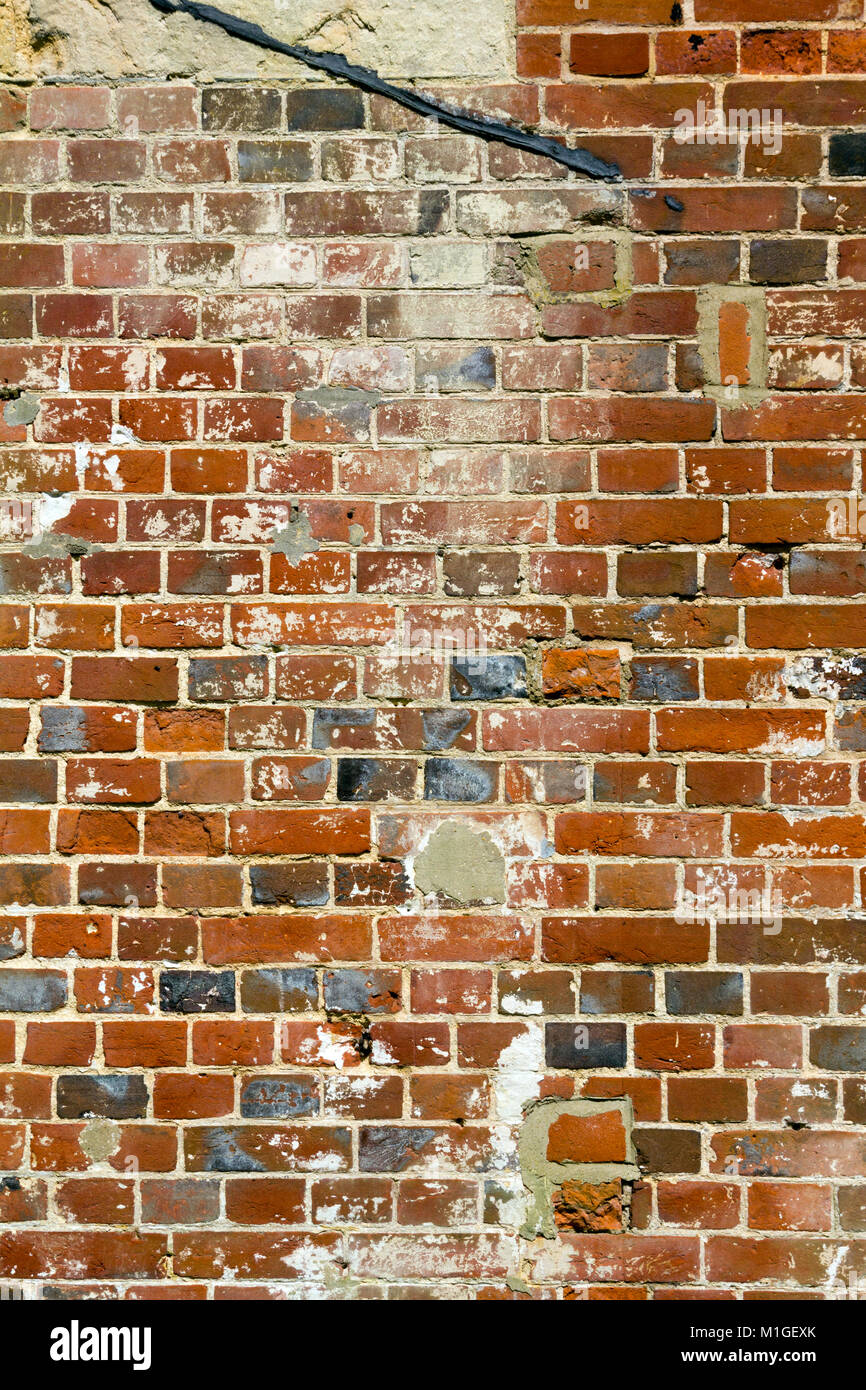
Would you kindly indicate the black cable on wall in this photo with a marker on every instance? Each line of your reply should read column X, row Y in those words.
column 583, row 161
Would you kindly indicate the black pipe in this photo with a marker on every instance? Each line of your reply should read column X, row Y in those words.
column 338, row 66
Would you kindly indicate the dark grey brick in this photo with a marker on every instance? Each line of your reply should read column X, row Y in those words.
column 324, row 108
column 851, row 730
column 433, row 210
column 30, row 781
column 26, row 574
column 787, row 262
column 391, row 1150
column 605, row 992
column 117, row 885
column 213, row 573
column 179, row 1201
column 454, row 779
column 348, row 411
column 375, row 779
column 240, row 108
column 64, row 730
column 442, row 727
column 663, row 679
column 112, row 1097
column 584, row 1045
column 220, row 1150
column 296, row 885
column 196, row 992
column 227, row 678
column 370, row 885
column 703, row 992
column 326, row 720
column 617, row 782
column 279, row 1097
column 235, row 1149
column 474, row 369
column 12, row 940
column 497, row 677
column 362, row 991
column 32, row 991
column 480, row 574
column 701, row 262
column 668, row 1150
column 848, row 154
column 838, row 1047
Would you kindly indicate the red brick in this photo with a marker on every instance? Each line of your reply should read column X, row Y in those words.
column 35, row 264
column 69, row 108
column 674, row 1046
column 172, row 107
column 705, row 1205
column 75, row 315
column 775, row 1206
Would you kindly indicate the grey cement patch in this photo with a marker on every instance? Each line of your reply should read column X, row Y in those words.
column 463, row 864
column 710, row 300
column 296, row 539
column 21, row 411
column 99, row 1140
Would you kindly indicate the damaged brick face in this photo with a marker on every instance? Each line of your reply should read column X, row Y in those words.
column 432, row 690
column 584, row 1206
column 575, row 1158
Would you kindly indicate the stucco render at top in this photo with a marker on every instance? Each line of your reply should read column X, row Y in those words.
column 127, row 38
column 431, row 664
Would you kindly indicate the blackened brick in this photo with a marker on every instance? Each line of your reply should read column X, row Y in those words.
column 362, row 991
column 375, row 779
column 788, row 262
column 456, row 779
column 703, row 992
column 196, row 992
column 838, row 1048
column 324, row 108
column 110, row 1097
column 585, row 1045
column 295, row 885
column 488, row 677
column 848, row 154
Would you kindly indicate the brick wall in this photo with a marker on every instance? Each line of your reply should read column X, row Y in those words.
column 432, row 711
